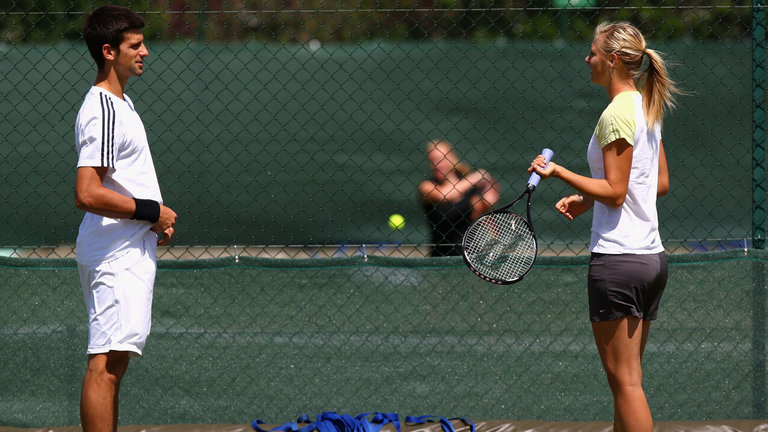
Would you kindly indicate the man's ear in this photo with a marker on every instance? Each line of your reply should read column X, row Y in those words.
column 108, row 52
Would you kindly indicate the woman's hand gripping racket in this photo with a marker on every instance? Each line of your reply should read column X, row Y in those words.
column 500, row 246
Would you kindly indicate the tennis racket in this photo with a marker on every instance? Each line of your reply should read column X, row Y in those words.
column 500, row 246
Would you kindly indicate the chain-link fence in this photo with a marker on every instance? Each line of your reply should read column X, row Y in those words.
column 293, row 129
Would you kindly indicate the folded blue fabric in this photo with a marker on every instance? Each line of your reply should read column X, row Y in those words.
column 366, row 422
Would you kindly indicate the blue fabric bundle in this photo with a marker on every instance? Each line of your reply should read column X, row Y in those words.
column 333, row 422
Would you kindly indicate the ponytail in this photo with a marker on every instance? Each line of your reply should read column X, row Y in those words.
column 658, row 90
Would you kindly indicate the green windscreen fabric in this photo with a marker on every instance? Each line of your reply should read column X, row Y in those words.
column 272, row 339
column 260, row 144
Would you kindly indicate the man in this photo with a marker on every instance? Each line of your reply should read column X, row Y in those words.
column 125, row 219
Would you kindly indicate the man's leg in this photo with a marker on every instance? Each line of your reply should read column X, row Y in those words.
column 101, row 388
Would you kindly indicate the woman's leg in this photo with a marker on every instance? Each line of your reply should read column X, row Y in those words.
column 621, row 344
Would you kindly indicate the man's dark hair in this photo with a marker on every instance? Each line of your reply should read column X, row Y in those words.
column 106, row 25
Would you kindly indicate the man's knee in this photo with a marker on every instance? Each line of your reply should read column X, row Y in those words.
column 111, row 365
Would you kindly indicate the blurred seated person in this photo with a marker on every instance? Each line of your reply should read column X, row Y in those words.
column 455, row 196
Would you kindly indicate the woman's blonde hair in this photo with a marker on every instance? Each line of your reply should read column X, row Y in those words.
column 626, row 41
column 447, row 149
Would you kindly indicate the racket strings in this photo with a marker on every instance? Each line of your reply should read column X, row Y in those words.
column 501, row 246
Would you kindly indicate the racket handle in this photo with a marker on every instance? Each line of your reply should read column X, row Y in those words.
column 534, row 180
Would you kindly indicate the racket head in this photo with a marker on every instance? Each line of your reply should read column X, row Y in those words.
column 500, row 247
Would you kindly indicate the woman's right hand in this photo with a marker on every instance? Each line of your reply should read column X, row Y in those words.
column 541, row 167
column 573, row 206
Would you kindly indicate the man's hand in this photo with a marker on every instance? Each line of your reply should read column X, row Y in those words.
column 167, row 220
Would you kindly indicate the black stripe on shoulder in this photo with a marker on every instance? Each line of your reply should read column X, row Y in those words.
column 107, row 131
column 103, row 128
column 112, row 135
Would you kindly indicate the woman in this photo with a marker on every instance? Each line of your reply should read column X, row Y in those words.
column 628, row 267
column 453, row 197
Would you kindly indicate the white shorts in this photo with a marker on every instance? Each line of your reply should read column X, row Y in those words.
column 118, row 296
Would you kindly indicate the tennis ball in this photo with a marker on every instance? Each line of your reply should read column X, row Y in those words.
column 396, row 221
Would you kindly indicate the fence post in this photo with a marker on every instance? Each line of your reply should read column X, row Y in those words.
column 758, row 124
column 202, row 20
column 758, row 209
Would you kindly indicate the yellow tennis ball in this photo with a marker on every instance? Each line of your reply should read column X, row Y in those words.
column 396, row 221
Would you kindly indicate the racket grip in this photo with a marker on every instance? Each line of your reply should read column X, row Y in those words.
column 535, row 178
